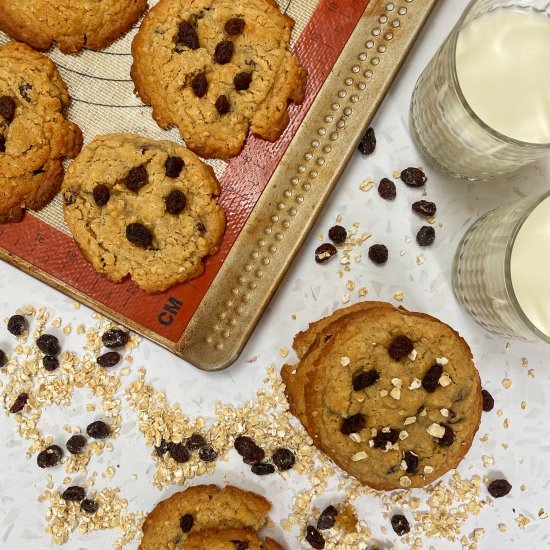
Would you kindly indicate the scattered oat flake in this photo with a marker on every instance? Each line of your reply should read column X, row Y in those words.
column 283, row 352
column 542, row 514
column 350, row 285
column 399, row 296
column 366, row 185
column 339, row 218
column 363, row 291
column 531, row 373
column 502, row 527
column 522, row 521
column 420, row 260
column 345, row 298
column 487, row 460
column 524, row 361
column 523, row 405
column 320, row 236
column 507, row 383
column 506, row 423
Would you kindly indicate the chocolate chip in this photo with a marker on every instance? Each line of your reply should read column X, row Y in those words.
column 50, row 362
column 163, row 447
column 17, row 325
column 109, row 359
column 367, row 145
column 411, row 460
column 448, row 437
column 262, row 468
column 381, row 439
column 89, row 506
column 187, row 36
column 327, row 519
column 24, row 91
column 137, row 178
column 98, row 430
column 179, row 452
column 7, row 108
column 224, row 52
column 242, row 81
column 315, row 539
column 200, row 227
column 337, row 234
column 48, row 344
column 400, row 347
column 431, row 378
column 400, row 524
column 488, row 401
column 199, row 84
column 424, row 208
column 175, row 202
column 353, row 424
column 283, row 458
column 186, row 523
column 365, row 379
column 2, row 144
column 49, row 457
column 324, row 252
column 3, row 358
column 208, row 453
column 378, row 253
column 425, row 236
column 222, row 105
column 139, row 235
column 73, row 494
column 75, row 444
column 115, row 338
column 234, row 26
column 101, row 194
column 248, row 449
column 413, row 177
column 196, row 441
column 19, row 403
column 499, row 488
column 386, row 189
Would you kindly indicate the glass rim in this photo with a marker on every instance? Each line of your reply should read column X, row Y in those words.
column 494, row 133
column 508, row 271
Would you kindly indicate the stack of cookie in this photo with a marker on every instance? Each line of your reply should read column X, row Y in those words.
column 392, row 396
column 206, row 516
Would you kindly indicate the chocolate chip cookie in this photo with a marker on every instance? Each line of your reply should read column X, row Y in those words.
column 144, row 209
column 71, row 24
column 34, row 135
column 391, row 396
column 217, row 68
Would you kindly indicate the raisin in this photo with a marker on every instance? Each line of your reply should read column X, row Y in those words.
column 3, row 358
column 234, row 26
column 381, row 439
column 175, row 202
column 98, row 430
column 315, row 539
column 448, row 437
column 413, row 177
column 365, row 379
column 283, row 458
column 139, row 235
column 137, row 178
column 195, row 441
column 222, row 105
column 187, row 36
column 89, row 506
column 353, row 424
column 224, row 52
column 327, row 519
column 324, row 252
column 499, row 488
column 2, row 144
column 162, row 448
column 23, row 91
column 7, row 108
column 109, row 359
column 115, row 338
column 17, row 325
column 400, row 524
column 488, row 401
column 49, row 457
column 200, row 227
column 186, row 523
column 179, row 452
column 386, row 189
column 69, row 197
column 400, row 347
column 378, row 253
column 424, row 208
column 367, row 145
column 337, row 234
column 19, row 403
column 48, row 344
column 208, row 453
column 431, row 378
column 425, row 236
column 242, row 81
column 199, row 85
column 263, row 468
column 50, row 362
column 74, row 494
column 411, row 460
column 101, row 194
column 75, row 444
column 240, row 544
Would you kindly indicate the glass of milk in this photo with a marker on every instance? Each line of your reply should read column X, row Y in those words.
column 501, row 271
column 481, row 108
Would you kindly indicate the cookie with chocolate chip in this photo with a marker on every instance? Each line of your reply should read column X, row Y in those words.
column 34, row 135
column 143, row 208
column 217, row 69
column 391, row 396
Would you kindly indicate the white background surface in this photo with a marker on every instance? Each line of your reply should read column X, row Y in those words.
column 310, row 291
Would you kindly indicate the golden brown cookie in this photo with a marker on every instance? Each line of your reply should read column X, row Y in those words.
column 217, row 68
column 143, row 208
column 228, row 539
column 34, row 135
column 71, row 24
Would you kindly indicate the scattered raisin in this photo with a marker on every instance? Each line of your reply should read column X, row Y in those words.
column 353, row 424
column 413, row 177
column 163, row 447
column 315, row 539
column 3, row 358
column 448, row 437
column 365, row 379
column 115, row 338
column 425, row 236
column 139, row 235
column 2, row 144
column 75, row 444
column 186, row 523
column 234, row 26
column 7, row 108
column 411, row 460
column 431, row 378
column 327, row 519
column 242, row 81
column 179, row 452
column 488, row 401
column 224, row 52
column 367, row 145
column 386, row 189
column 23, row 91
column 109, row 359
column 499, row 488
column 50, row 362
column 400, row 524
column 89, row 506
column 137, row 178
column 263, row 468
column 378, row 253
column 424, row 208
column 381, row 439
column 51, row 456
column 17, row 325
column 19, row 403
column 74, row 494
column 48, row 344
column 248, row 449
column 187, row 36
column 175, row 202
column 283, row 458
column 324, row 252
column 173, row 166
column 101, row 194
column 400, row 347
column 208, row 453
column 337, row 234
column 98, row 430
column 196, row 441
column 222, row 105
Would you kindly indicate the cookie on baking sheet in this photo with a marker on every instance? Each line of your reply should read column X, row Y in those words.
column 199, row 508
column 392, row 396
column 217, row 68
column 34, row 135
column 143, row 208
column 228, row 539
column 71, row 24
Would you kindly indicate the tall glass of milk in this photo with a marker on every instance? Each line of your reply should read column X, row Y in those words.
column 501, row 271
column 481, row 108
